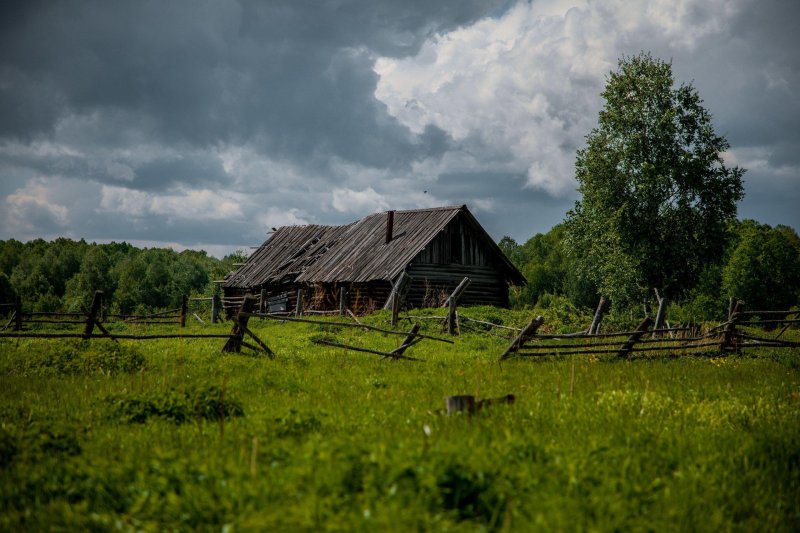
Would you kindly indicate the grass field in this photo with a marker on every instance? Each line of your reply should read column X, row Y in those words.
column 173, row 435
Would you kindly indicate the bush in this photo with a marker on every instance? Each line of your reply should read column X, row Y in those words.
column 178, row 407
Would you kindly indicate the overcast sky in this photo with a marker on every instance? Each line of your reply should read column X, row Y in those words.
column 204, row 123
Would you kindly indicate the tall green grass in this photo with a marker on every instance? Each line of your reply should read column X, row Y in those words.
column 165, row 435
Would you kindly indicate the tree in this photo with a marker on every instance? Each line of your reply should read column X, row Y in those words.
column 764, row 268
column 656, row 194
column 94, row 274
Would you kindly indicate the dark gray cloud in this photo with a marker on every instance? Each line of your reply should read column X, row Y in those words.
column 208, row 121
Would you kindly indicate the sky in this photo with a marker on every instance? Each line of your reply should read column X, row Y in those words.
column 204, row 124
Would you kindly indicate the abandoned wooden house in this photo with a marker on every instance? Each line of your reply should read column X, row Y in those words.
column 435, row 247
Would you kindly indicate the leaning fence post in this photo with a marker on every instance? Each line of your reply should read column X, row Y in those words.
column 241, row 318
column 397, row 294
column 17, row 313
column 91, row 316
column 729, row 333
column 641, row 329
column 594, row 328
column 661, row 313
column 525, row 335
column 184, row 309
column 452, row 306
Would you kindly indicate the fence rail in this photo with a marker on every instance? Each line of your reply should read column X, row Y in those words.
column 723, row 338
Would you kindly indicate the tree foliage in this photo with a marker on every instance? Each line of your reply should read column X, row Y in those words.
column 764, row 267
column 656, row 194
column 63, row 274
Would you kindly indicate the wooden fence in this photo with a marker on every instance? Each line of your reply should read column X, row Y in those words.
column 92, row 320
column 725, row 338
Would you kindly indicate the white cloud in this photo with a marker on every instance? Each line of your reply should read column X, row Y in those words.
column 198, row 203
column 276, row 217
column 32, row 207
column 528, row 83
column 363, row 201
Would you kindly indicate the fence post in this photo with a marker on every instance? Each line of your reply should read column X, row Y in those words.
column 298, row 310
column 594, row 327
column 397, row 295
column 214, row 308
column 17, row 313
column 728, row 336
column 262, row 305
column 91, row 316
column 641, row 329
column 184, row 309
column 342, row 300
column 234, row 343
column 525, row 335
column 452, row 305
column 661, row 313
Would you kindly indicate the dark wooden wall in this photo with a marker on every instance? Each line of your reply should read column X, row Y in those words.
column 459, row 250
column 458, row 243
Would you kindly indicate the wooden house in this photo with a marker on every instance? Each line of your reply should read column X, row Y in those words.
column 436, row 247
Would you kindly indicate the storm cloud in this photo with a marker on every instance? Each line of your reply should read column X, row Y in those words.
column 206, row 123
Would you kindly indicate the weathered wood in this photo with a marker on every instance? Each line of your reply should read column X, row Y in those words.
column 451, row 316
column 11, row 320
column 523, row 337
column 17, row 313
column 594, row 328
column 389, row 226
column 408, row 341
column 253, row 336
column 234, row 343
column 661, row 313
column 91, row 316
column 451, row 323
column 492, row 324
column 196, row 317
column 458, row 291
column 262, row 302
column 468, row 403
column 215, row 305
column 641, row 329
column 460, row 404
column 298, row 309
column 347, row 325
column 558, row 353
column 728, row 339
column 184, row 310
column 388, row 355
column 353, row 316
column 399, row 289
column 342, row 300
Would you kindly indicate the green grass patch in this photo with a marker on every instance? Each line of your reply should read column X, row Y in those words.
column 173, row 434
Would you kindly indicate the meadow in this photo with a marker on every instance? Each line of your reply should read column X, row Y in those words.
column 175, row 435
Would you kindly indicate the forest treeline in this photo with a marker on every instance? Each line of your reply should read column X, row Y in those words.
column 760, row 265
column 63, row 274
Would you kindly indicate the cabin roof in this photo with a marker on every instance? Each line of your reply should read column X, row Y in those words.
column 355, row 252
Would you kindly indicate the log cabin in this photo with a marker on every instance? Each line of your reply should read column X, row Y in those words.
column 435, row 247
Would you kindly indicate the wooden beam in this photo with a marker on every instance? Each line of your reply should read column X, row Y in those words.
column 594, row 328
column 525, row 335
column 641, row 329
column 234, row 344
column 92, row 314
